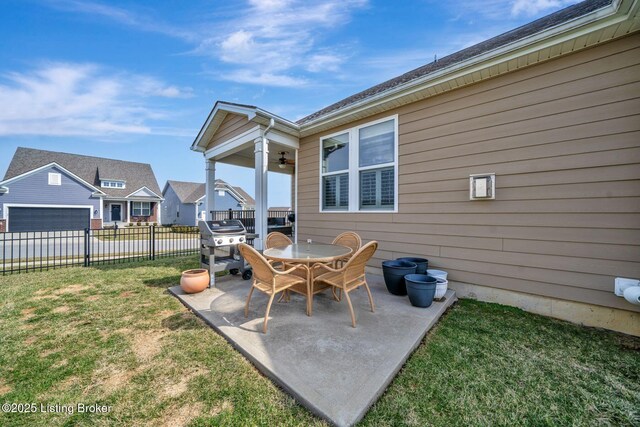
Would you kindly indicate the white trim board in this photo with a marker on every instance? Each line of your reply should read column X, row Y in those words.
column 144, row 187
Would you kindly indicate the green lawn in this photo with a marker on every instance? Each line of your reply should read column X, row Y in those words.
column 113, row 336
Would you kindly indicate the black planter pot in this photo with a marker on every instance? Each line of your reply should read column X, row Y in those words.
column 422, row 263
column 421, row 289
column 394, row 272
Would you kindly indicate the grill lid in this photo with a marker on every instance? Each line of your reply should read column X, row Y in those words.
column 226, row 226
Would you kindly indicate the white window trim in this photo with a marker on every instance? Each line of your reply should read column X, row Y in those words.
column 133, row 209
column 113, row 183
column 354, row 169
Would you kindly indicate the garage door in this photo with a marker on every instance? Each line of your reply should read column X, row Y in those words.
column 47, row 219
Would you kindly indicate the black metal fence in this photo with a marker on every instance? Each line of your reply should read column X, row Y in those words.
column 43, row 250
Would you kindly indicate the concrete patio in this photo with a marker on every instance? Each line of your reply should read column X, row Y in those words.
column 334, row 370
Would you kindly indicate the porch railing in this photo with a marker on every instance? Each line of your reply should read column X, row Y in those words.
column 248, row 218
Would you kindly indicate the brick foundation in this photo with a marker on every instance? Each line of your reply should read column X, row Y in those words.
column 3, row 225
column 96, row 224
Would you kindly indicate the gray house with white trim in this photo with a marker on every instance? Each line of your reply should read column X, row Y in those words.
column 48, row 191
column 185, row 203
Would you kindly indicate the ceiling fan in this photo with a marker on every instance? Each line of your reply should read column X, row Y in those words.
column 283, row 161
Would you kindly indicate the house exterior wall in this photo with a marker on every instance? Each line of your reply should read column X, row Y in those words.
column 232, row 126
column 562, row 138
column 170, row 206
column 189, row 212
column 35, row 190
column 226, row 202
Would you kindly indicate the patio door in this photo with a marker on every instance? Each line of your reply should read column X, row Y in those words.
column 116, row 213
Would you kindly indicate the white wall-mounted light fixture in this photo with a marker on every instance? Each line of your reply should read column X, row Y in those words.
column 482, row 186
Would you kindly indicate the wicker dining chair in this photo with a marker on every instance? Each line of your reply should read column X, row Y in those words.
column 275, row 239
column 269, row 280
column 349, row 239
column 351, row 276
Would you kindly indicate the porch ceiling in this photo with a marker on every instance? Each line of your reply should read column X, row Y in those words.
column 245, row 157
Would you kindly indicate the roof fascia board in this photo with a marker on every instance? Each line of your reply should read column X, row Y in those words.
column 97, row 191
column 225, row 108
column 144, row 187
column 552, row 36
column 250, row 112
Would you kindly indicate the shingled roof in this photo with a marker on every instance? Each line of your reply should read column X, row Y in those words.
column 249, row 201
column 537, row 26
column 191, row 192
column 90, row 169
column 187, row 192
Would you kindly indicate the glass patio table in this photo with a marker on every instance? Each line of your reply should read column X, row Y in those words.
column 308, row 254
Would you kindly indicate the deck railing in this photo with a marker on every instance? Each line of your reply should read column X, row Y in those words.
column 248, row 218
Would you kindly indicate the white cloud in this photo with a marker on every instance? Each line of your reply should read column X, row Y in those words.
column 141, row 21
column 324, row 62
column 80, row 99
column 267, row 79
column 534, row 7
column 278, row 37
column 269, row 4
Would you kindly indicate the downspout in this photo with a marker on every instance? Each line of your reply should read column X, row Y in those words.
column 272, row 123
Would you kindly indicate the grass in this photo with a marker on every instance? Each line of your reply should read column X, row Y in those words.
column 113, row 336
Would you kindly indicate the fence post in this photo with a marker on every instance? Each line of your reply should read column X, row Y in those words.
column 87, row 255
column 153, row 241
column 230, row 213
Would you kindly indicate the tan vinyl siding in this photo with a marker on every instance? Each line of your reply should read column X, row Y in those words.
column 232, row 125
column 563, row 139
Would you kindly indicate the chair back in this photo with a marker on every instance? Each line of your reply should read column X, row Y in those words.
column 276, row 239
column 350, row 240
column 354, row 268
column 262, row 271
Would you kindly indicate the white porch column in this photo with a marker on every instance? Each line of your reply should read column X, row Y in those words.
column 261, row 168
column 210, row 188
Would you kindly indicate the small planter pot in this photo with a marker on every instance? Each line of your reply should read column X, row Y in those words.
column 438, row 274
column 193, row 281
column 394, row 272
column 421, row 289
column 422, row 264
column 441, row 288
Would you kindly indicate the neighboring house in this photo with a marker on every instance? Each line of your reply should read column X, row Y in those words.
column 276, row 209
column 551, row 108
column 47, row 190
column 185, row 202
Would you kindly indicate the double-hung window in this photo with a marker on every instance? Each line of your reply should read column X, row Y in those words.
column 359, row 168
column 141, row 209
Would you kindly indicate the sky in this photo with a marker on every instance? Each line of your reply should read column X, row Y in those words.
column 135, row 80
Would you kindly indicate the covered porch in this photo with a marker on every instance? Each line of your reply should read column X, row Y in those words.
column 247, row 136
